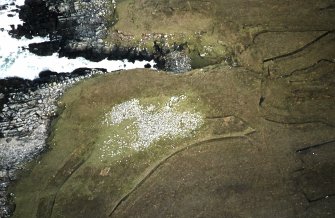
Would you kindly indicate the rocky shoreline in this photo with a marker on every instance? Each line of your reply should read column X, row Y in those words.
column 26, row 110
column 79, row 28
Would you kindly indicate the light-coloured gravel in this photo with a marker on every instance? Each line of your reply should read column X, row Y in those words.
column 151, row 123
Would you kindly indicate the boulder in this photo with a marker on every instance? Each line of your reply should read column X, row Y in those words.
column 44, row 48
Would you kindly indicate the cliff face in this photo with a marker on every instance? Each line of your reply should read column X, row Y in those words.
column 265, row 86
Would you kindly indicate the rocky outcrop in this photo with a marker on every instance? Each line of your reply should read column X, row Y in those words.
column 86, row 29
column 38, row 20
column 77, row 29
column 178, row 62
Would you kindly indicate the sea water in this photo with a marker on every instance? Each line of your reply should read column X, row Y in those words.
column 17, row 61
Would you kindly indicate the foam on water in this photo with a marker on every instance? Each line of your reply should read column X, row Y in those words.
column 16, row 60
column 6, row 21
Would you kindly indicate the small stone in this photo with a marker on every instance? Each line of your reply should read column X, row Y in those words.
column 12, row 175
column 39, row 113
column 3, row 174
column 31, row 103
column 3, row 185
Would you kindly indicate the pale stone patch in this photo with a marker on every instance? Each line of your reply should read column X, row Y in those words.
column 151, row 123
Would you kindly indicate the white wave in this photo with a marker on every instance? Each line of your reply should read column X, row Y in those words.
column 16, row 60
column 27, row 65
column 5, row 20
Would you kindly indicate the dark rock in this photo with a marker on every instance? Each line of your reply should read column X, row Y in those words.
column 3, row 7
column 38, row 20
column 15, row 10
column 14, row 83
column 81, row 72
column 44, row 48
column 84, row 71
column 63, row 76
column 87, row 53
column 3, row 186
column 47, row 74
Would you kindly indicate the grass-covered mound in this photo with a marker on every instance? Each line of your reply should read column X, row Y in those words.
column 112, row 131
column 81, row 145
column 148, row 143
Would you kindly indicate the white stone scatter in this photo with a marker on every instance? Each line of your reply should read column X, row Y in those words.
column 152, row 123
